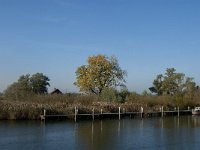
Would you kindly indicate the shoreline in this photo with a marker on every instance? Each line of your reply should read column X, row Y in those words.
column 19, row 110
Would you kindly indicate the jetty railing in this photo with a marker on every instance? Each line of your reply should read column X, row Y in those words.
column 121, row 113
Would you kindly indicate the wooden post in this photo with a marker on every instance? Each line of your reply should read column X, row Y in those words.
column 101, row 111
column 119, row 113
column 44, row 112
column 188, row 107
column 162, row 112
column 142, row 110
column 178, row 112
column 93, row 114
column 44, row 115
column 75, row 113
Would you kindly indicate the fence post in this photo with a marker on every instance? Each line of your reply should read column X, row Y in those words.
column 44, row 115
column 142, row 110
column 178, row 112
column 160, row 111
column 93, row 114
column 119, row 113
column 75, row 113
column 44, row 112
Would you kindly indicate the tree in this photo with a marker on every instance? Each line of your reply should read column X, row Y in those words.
column 108, row 95
column 27, row 85
column 190, row 88
column 19, row 89
column 122, row 94
column 146, row 93
column 157, row 88
column 24, row 83
column 101, row 72
column 39, row 83
column 172, row 83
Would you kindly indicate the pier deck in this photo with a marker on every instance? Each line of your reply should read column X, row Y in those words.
column 119, row 114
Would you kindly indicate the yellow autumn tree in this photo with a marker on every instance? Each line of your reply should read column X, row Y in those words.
column 100, row 72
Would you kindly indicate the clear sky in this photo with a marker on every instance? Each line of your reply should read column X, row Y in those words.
column 56, row 36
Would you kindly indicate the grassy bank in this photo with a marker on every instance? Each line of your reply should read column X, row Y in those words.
column 32, row 107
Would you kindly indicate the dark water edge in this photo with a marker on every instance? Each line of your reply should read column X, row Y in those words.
column 152, row 133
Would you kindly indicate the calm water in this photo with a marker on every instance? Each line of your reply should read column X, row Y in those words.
column 153, row 133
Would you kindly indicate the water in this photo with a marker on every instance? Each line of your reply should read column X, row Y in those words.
column 127, row 134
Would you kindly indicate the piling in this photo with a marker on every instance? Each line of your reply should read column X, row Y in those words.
column 178, row 112
column 119, row 113
column 162, row 111
column 75, row 114
column 44, row 113
column 142, row 110
column 93, row 114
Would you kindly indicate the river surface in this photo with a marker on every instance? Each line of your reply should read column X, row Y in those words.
column 128, row 134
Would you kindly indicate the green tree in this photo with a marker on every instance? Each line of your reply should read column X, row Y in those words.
column 39, row 83
column 157, row 88
column 28, row 85
column 24, row 83
column 108, row 95
column 146, row 93
column 172, row 83
column 190, row 88
column 122, row 95
column 19, row 89
column 101, row 72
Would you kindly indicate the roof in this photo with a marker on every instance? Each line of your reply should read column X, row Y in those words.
column 56, row 91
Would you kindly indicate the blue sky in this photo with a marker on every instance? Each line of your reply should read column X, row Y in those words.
column 56, row 36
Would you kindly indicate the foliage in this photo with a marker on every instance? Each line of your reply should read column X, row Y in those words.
column 108, row 95
column 146, row 93
column 114, row 95
column 172, row 83
column 157, row 88
column 122, row 95
column 27, row 86
column 133, row 97
column 39, row 83
column 101, row 72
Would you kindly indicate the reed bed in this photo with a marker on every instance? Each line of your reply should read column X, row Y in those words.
column 32, row 107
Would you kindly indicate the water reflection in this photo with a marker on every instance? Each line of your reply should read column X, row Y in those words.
column 155, row 133
column 152, row 133
column 179, row 122
column 118, row 131
column 195, row 121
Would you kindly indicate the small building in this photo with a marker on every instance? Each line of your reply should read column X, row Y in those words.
column 56, row 91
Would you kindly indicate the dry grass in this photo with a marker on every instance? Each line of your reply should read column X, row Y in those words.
column 32, row 107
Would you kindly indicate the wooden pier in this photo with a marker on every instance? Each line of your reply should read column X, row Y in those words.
column 120, row 114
